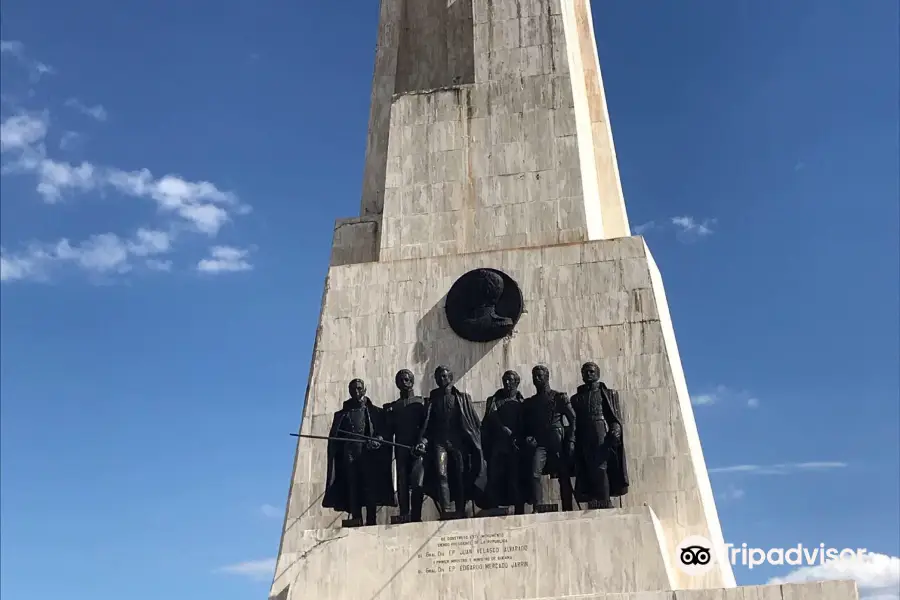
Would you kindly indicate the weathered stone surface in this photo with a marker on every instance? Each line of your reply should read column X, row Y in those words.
column 497, row 558
column 489, row 129
column 355, row 241
column 532, row 557
column 601, row 301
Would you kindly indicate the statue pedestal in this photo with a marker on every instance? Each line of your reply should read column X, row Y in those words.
column 601, row 301
column 618, row 552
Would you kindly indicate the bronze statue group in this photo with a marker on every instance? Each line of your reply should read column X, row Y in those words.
column 444, row 451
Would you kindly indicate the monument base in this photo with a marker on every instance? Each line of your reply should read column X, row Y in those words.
column 589, row 555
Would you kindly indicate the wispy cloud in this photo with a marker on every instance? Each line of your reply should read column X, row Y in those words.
column 877, row 576
column 255, row 569
column 70, row 140
column 644, row 228
column 200, row 203
column 780, row 469
column 96, row 112
column 704, row 399
column 691, row 228
column 732, row 493
column 158, row 265
column 722, row 394
column 225, row 259
column 21, row 132
column 186, row 205
column 687, row 228
column 273, row 512
column 15, row 49
column 102, row 254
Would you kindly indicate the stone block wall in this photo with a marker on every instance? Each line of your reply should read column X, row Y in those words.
column 600, row 301
column 466, row 172
column 518, row 152
column 355, row 241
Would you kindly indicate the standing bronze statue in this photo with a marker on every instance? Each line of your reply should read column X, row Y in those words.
column 549, row 432
column 359, row 471
column 451, row 441
column 501, row 436
column 600, row 469
column 405, row 417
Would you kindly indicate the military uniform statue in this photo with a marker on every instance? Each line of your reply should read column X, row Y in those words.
column 451, row 439
column 405, row 417
column 359, row 470
column 549, row 432
column 600, row 469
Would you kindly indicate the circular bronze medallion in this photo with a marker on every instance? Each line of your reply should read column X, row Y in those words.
column 484, row 305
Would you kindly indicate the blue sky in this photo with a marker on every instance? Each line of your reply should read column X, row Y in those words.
column 171, row 176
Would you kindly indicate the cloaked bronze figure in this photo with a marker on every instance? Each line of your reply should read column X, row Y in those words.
column 600, row 468
column 359, row 472
column 451, row 441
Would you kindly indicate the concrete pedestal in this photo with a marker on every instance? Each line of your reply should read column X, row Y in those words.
column 621, row 553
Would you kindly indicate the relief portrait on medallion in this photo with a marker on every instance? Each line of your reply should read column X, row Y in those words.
column 484, row 305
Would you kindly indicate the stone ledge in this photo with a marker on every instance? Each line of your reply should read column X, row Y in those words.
column 818, row 590
column 355, row 241
column 497, row 558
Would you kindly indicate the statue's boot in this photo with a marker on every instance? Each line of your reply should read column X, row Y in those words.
column 371, row 515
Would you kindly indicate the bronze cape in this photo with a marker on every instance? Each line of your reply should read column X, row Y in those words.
column 381, row 492
column 475, row 468
column 616, row 467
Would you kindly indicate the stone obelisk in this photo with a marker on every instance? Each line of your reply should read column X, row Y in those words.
column 489, row 147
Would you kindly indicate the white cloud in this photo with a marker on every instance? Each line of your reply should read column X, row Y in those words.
column 225, row 259
column 200, row 203
column 158, row 265
column 36, row 69
column 69, row 140
column 644, row 228
column 270, row 511
column 56, row 178
column 15, row 268
column 96, row 112
column 199, row 206
column 732, row 493
column 102, row 254
column 688, row 226
column 780, row 469
column 150, row 242
column 255, row 569
column 722, row 394
column 877, row 575
column 704, row 399
column 20, row 132
column 12, row 47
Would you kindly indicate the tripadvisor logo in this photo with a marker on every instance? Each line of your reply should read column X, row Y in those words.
column 695, row 556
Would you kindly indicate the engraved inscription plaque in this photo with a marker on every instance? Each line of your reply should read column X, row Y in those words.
column 472, row 552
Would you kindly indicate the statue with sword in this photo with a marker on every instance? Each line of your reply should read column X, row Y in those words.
column 359, row 471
